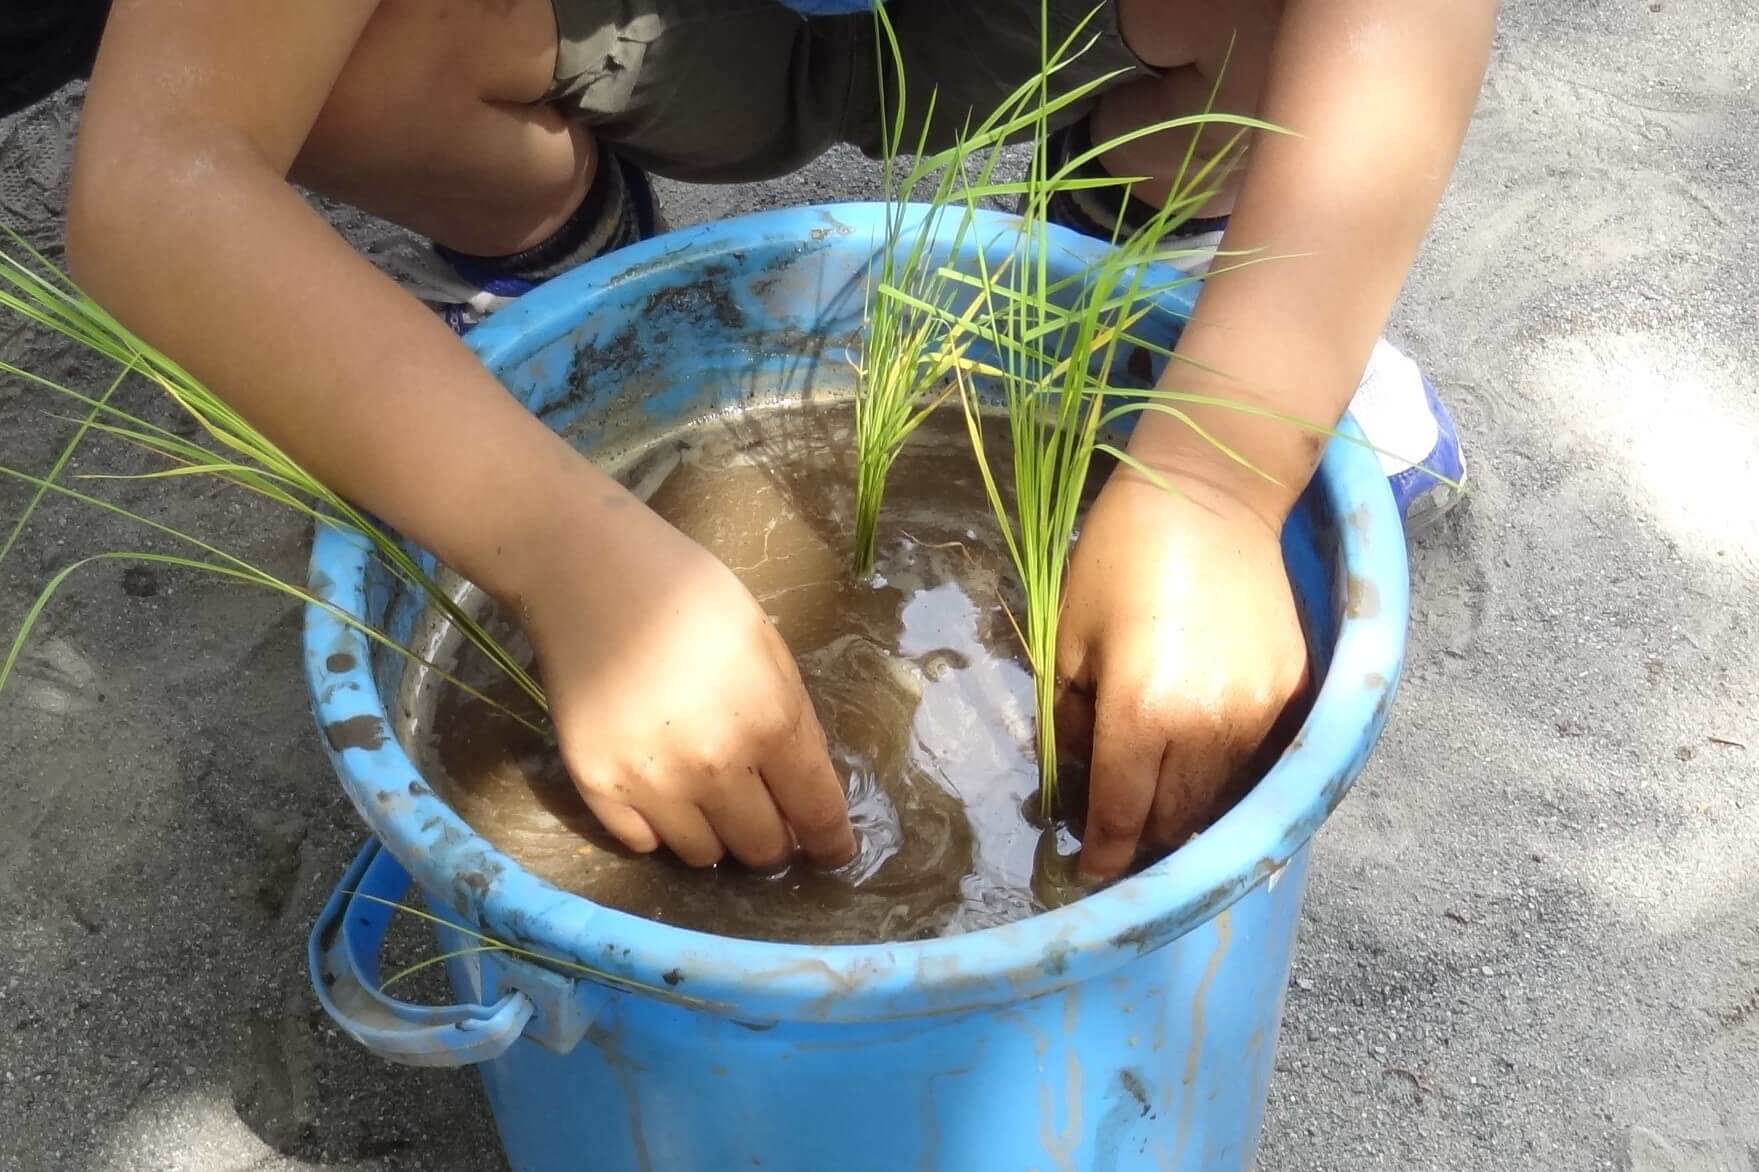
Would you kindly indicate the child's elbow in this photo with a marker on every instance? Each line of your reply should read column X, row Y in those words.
column 120, row 204
column 95, row 203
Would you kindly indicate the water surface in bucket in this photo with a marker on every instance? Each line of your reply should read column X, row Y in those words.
column 916, row 674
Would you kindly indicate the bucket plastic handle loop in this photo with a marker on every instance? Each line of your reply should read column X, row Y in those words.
column 343, row 953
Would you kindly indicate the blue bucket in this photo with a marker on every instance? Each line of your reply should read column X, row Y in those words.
column 1134, row 1029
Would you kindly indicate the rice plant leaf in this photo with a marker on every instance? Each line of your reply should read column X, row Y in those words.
column 58, row 466
column 101, row 406
column 600, row 976
column 1245, row 408
column 1146, row 471
column 229, row 566
column 1184, row 417
column 34, row 614
column 421, row 965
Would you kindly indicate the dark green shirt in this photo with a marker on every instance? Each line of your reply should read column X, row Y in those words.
column 44, row 44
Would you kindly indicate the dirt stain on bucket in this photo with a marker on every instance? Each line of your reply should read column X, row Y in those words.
column 357, row 732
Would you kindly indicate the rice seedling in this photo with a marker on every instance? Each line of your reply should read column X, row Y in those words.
column 912, row 338
column 916, row 348
column 1051, row 365
column 235, row 453
column 911, row 341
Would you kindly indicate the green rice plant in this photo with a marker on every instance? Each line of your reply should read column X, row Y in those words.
column 486, row 943
column 1055, row 340
column 234, row 453
column 910, row 343
column 1052, row 366
column 1056, row 415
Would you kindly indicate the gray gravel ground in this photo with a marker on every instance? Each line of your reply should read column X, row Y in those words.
column 1532, row 939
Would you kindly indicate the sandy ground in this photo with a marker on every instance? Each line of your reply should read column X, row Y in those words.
column 1532, row 939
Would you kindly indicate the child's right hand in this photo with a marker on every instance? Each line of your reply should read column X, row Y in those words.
column 680, row 712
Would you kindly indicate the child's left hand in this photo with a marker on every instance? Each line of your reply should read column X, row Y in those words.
column 1179, row 648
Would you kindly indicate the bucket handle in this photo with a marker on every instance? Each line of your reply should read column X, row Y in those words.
column 343, row 954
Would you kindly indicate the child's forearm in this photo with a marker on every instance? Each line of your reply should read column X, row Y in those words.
column 254, row 293
column 182, row 224
column 1380, row 95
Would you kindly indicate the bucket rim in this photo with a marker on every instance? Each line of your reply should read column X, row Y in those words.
column 765, row 982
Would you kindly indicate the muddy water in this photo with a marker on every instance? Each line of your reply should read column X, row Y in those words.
column 916, row 675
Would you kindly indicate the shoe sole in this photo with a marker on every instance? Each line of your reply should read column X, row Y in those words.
column 1428, row 510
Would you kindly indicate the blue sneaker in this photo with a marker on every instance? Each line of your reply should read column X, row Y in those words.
column 463, row 289
column 1419, row 448
column 480, row 292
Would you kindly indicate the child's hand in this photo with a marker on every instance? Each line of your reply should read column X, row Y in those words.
column 1180, row 648
column 679, row 710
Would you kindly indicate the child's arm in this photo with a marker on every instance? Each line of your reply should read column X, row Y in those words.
column 1187, row 640
column 678, row 708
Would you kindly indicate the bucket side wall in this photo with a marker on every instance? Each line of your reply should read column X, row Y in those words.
column 1161, row 1064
